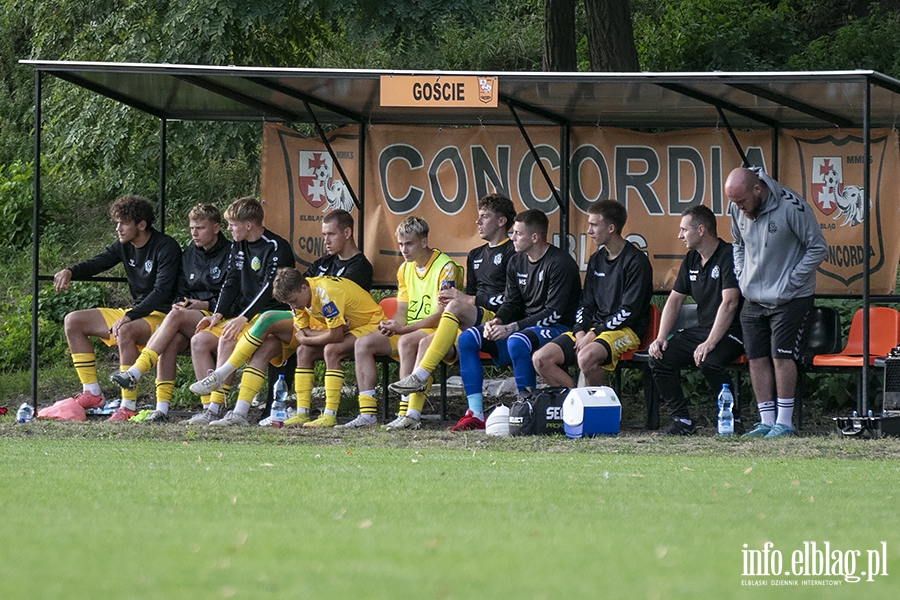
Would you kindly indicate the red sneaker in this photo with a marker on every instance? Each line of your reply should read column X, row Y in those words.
column 468, row 422
column 121, row 414
column 89, row 400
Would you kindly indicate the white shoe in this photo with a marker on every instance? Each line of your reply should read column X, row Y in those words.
column 231, row 418
column 204, row 417
column 410, row 384
column 359, row 422
column 403, row 423
column 207, row 385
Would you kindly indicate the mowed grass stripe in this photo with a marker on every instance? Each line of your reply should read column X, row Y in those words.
column 144, row 519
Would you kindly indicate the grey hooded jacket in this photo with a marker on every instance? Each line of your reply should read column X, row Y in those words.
column 777, row 254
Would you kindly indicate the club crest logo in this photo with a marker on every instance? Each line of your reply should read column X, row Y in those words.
column 317, row 183
column 255, row 263
column 485, row 90
column 148, row 266
column 831, row 196
column 832, row 181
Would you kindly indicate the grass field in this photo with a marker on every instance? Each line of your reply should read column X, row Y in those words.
column 96, row 511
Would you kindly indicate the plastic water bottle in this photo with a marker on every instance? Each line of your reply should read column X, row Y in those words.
column 726, row 416
column 25, row 413
column 279, row 402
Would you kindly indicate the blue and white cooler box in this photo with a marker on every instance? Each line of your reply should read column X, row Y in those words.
column 591, row 411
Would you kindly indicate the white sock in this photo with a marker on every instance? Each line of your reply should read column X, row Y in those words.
column 133, row 371
column 93, row 388
column 413, row 414
column 478, row 415
column 785, row 411
column 242, row 407
column 328, row 411
column 421, row 373
column 766, row 413
column 129, row 404
column 225, row 370
column 214, row 408
column 163, row 407
column 369, row 393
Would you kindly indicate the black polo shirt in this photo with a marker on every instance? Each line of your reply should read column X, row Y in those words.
column 704, row 283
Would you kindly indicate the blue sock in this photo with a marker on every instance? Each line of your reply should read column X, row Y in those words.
column 519, row 347
column 468, row 344
column 475, row 404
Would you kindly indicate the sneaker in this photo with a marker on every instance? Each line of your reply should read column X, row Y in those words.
column 204, row 417
column 359, row 422
column 780, row 430
column 403, row 423
column 89, row 400
column 759, row 430
column 157, row 416
column 468, row 422
column 324, row 420
column 299, row 418
column 677, row 427
column 408, row 385
column 207, row 385
column 231, row 418
column 121, row 414
column 124, row 380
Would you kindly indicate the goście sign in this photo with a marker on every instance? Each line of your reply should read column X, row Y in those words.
column 438, row 91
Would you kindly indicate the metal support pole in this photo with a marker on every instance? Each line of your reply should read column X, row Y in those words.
column 867, row 152
column 36, row 238
column 334, row 157
column 162, row 175
column 744, row 161
column 537, row 158
column 774, row 171
column 564, row 133
column 361, row 184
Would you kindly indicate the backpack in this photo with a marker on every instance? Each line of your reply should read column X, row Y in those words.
column 538, row 412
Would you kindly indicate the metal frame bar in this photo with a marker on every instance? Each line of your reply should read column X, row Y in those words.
column 163, row 155
column 36, row 233
column 537, row 158
column 686, row 91
column 333, row 154
column 105, row 91
column 298, row 95
column 867, row 240
column 244, row 99
column 783, row 100
column 744, row 160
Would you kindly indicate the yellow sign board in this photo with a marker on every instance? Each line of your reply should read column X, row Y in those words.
column 438, row 91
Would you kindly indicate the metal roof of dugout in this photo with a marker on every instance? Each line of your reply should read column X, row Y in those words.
column 338, row 97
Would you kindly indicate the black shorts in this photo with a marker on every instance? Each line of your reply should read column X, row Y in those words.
column 775, row 332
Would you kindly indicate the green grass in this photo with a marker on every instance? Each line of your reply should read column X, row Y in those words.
column 284, row 515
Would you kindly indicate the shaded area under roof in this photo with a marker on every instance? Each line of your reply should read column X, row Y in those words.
column 792, row 100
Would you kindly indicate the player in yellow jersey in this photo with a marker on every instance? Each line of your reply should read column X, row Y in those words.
column 344, row 312
column 419, row 281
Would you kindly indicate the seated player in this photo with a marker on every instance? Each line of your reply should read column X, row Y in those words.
column 615, row 307
column 256, row 255
column 344, row 312
column 199, row 284
column 485, row 284
column 419, row 281
column 150, row 259
column 542, row 287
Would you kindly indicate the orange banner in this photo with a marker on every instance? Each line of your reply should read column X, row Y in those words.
column 439, row 173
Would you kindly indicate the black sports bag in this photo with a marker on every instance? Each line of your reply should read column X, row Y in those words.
column 538, row 412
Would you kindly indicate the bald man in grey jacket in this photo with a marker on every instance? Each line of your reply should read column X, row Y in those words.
column 778, row 245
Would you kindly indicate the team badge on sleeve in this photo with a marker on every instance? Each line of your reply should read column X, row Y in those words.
column 329, row 310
